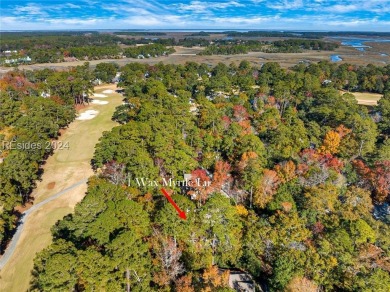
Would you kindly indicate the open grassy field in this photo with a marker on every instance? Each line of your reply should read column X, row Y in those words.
column 63, row 169
column 366, row 98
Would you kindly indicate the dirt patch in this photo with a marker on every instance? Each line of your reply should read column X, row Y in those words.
column 61, row 132
column 22, row 208
column 79, row 107
column 51, row 185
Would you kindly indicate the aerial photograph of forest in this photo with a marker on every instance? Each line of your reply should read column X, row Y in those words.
column 194, row 146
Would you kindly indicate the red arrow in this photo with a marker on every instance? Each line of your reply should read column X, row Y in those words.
column 182, row 214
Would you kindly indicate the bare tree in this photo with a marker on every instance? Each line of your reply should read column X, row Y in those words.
column 168, row 253
column 115, row 172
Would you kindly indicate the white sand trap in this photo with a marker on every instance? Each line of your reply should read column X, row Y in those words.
column 87, row 115
column 108, row 91
column 99, row 95
column 99, row 101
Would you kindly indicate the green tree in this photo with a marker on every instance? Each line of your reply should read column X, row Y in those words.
column 384, row 109
column 106, row 71
column 55, row 268
column 224, row 228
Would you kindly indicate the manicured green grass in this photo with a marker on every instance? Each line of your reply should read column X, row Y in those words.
column 64, row 168
column 16, row 275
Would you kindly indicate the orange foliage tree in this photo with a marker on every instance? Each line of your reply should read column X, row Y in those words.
column 266, row 188
column 302, row 284
column 184, row 284
column 214, row 278
column 331, row 143
column 245, row 158
column 286, row 171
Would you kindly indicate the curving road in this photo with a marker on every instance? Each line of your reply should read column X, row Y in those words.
column 12, row 245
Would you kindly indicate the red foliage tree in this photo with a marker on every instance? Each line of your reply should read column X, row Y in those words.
column 221, row 174
column 200, row 184
column 381, row 180
column 312, row 157
column 16, row 81
column 240, row 113
column 226, row 121
column 314, row 167
column 376, row 179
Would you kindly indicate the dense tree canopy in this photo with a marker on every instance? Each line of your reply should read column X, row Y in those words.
column 283, row 172
column 34, row 106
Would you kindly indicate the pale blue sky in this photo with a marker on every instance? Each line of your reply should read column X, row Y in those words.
column 370, row 15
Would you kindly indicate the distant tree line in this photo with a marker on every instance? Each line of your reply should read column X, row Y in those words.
column 21, row 41
column 295, row 45
column 147, row 51
column 302, row 34
column 140, row 33
column 231, row 47
column 48, row 48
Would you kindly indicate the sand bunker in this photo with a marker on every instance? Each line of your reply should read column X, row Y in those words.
column 99, row 102
column 108, row 91
column 87, row 115
column 99, row 95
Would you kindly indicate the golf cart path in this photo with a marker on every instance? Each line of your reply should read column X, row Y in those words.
column 62, row 185
column 12, row 245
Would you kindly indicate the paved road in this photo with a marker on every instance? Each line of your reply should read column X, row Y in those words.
column 241, row 281
column 12, row 245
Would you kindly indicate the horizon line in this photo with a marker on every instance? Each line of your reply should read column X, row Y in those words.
column 190, row 29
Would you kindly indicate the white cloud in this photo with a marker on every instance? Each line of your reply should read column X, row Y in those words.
column 71, row 5
column 203, row 7
column 340, row 8
column 149, row 5
column 142, row 21
column 242, row 21
column 285, row 4
column 121, row 9
column 373, row 6
column 74, row 21
column 29, row 9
